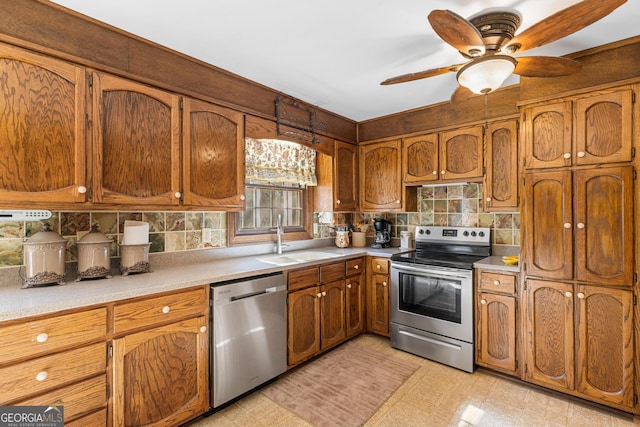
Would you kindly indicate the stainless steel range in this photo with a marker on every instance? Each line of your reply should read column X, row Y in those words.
column 432, row 294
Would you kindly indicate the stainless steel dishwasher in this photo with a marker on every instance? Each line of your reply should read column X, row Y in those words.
column 249, row 342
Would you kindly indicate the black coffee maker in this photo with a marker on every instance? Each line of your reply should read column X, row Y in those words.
column 382, row 238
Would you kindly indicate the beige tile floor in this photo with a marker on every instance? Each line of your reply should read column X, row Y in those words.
column 437, row 395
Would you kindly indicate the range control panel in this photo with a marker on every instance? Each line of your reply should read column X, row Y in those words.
column 24, row 215
column 428, row 233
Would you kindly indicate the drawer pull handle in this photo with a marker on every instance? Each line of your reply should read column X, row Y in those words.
column 42, row 337
column 496, row 282
column 166, row 309
column 42, row 376
column 203, row 329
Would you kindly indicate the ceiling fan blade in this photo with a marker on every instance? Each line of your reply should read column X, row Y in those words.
column 562, row 23
column 421, row 74
column 546, row 66
column 461, row 93
column 457, row 31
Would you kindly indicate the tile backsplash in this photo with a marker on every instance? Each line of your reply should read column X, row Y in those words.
column 168, row 231
column 443, row 205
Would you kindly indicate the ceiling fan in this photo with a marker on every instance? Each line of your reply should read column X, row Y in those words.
column 488, row 41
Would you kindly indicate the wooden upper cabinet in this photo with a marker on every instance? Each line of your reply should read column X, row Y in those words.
column 604, row 128
column 548, row 237
column 345, row 177
column 381, row 176
column 136, row 132
column 501, row 178
column 548, row 135
column 42, row 143
column 420, row 159
column 213, row 156
column 461, row 154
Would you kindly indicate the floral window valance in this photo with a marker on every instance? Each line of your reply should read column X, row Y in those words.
column 277, row 162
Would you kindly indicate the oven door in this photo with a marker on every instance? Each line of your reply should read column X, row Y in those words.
column 433, row 299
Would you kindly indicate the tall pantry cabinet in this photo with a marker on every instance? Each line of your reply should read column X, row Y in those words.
column 578, row 255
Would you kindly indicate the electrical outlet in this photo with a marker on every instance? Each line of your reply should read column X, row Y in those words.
column 206, row 235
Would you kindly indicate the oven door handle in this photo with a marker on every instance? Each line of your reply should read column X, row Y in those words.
column 463, row 274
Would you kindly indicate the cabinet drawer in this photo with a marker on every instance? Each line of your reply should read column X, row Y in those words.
column 48, row 372
column 152, row 311
column 34, row 338
column 332, row 272
column 97, row 419
column 78, row 399
column 355, row 266
column 379, row 265
column 303, row 278
column 497, row 282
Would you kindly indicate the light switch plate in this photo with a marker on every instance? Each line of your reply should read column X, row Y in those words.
column 206, row 235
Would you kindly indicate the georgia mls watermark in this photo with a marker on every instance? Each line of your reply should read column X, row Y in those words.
column 31, row 416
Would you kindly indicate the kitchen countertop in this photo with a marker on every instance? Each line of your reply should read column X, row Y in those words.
column 495, row 263
column 169, row 272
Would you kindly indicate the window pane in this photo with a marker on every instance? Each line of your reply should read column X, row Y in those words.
column 296, row 218
column 263, row 198
column 264, row 204
column 295, row 199
column 279, row 198
column 249, row 197
column 263, row 218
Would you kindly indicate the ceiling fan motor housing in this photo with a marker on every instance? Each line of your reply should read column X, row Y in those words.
column 496, row 27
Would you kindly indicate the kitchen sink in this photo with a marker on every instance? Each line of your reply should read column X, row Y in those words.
column 297, row 257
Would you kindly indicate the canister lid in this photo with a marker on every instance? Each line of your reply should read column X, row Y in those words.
column 45, row 236
column 94, row 236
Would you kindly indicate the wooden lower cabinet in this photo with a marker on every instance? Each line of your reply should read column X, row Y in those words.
column 579, row 339
column 354, row 298
column 496, row 320
column 332, row 314
column 378, row 296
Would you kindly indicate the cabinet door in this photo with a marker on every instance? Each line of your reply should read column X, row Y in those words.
column 42, row 143
column 378, row 304
column 548, row 236
column 213, row 156
column 604, row 128
column 136, row 131
column 332, row 314
column 497, row 332
column 161, row 375
column 604, row 225
column 420, row 159
column 380, row 176
column 461, row 154
column 604, row 344
column 501, row 178
column 345, row 177
column 548, row 135
column 355, row 305
column 549, row 330
column 303, row 330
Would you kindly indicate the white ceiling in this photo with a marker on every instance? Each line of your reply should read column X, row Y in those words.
column 334, row 53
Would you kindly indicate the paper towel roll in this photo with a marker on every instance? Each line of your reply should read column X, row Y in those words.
column 135, row 233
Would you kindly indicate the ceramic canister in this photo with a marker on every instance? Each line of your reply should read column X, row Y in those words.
column 94, row 251
column 44, row 258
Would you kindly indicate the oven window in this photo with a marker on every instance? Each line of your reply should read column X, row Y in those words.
column 430, row 296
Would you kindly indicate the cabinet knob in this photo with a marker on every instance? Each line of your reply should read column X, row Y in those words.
column 567, row 225
column 319, row 295
column 42, row 376
column 82, row 189
column 166, row 309
column 337, row 202
column 581, row 153
column 567, row 155
column 580, row 295
column 384, row 283
column 203, row 329
column 177, row 194
column 483, row 301
column 398, row 201
column 378, row 266
column 355, row 267
column 42, row 337
column 442, row 172
column 349, row 286
column 568, row 294
column 496, row 282
column 488, row 199
column 324, row 293
column 580, row 225
column 242, row 197
column 435, row 172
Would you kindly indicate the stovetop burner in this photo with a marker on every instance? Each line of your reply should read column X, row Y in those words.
column 456, row 247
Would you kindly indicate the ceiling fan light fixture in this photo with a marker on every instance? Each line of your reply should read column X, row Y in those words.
column 486, row 74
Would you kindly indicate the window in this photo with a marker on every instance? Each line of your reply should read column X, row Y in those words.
column 265, row 203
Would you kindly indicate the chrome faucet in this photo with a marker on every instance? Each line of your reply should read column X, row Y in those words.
column 279, row 235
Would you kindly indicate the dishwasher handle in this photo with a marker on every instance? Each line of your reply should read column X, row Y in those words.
column 254, row 294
